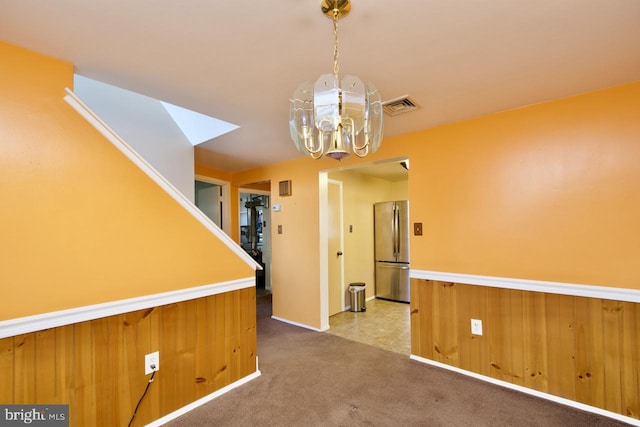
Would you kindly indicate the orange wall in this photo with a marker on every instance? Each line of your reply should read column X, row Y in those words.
column 80, row 224
column 544, row 192
column 213, row 173
column 295, row 276
column 295, row 268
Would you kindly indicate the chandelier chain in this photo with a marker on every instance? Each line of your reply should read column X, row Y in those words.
column 335, row 40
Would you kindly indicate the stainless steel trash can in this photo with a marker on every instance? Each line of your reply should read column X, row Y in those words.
column 357, row 294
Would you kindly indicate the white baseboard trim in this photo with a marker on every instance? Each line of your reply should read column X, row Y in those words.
column 24, row 325
column 193, row 405
column 300, row 325
column 542, row 395
column 590, row 291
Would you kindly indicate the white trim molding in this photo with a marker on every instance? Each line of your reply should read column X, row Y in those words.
column 300, row 325
column 24, row 325
column 82, row 109
column 604, row 292
column 540, row 394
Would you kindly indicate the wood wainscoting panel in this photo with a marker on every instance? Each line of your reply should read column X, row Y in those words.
column 578, row 348
column 25, row 368
column 7, row 369
column 612, row 337
column 534, row 337
column 630, row 359
column 445, row 325
column 421, row 331
column 97, row 366
column 560, row 347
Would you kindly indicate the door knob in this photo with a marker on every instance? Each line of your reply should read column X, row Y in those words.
column 339, row 253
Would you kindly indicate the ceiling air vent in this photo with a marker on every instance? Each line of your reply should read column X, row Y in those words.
column 401, row 105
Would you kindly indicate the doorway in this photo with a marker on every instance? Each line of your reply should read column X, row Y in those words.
column 255, row 233
column 212, row 198
column 362, row 187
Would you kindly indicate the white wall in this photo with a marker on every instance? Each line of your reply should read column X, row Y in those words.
column 146, row 126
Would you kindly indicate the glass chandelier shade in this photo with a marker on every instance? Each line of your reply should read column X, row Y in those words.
column 334, row 117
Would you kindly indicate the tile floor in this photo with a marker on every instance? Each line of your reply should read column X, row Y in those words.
column 384, row 324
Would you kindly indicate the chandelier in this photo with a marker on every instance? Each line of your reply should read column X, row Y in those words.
column 333, row 117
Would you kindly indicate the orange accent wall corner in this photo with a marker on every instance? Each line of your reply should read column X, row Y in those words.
column 80, row 223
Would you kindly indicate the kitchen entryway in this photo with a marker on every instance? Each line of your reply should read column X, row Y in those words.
column 384, row 324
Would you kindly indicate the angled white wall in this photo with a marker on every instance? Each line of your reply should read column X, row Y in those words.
column 145, row 124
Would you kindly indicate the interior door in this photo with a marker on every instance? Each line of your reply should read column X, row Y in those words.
column 208, row 200
column 335, row 248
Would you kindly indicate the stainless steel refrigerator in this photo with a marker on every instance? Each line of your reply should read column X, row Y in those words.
column 391, row 228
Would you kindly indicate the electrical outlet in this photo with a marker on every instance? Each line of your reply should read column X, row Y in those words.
column 151, row 362
column 476, row 327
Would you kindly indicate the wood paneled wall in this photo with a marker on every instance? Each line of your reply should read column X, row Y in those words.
column 583, row 349
column 97, row 367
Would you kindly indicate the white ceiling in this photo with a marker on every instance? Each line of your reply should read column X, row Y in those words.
column 240, row 61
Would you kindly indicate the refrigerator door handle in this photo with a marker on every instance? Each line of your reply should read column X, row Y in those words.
column 396, row 231
column 382, row 264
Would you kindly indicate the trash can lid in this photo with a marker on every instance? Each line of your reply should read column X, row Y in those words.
column 357, row 284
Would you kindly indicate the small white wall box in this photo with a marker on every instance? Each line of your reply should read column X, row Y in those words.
column 476, row 327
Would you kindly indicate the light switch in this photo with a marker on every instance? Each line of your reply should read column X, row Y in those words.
column 279, row 229
column 417, row 229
